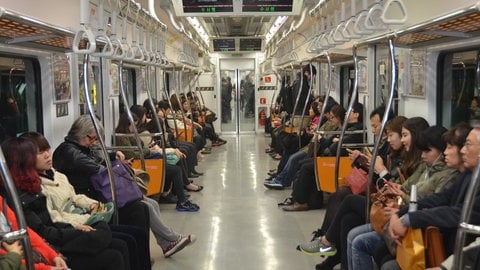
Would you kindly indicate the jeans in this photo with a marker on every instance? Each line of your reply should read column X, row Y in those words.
column 291, row 167
column 364, row 242
column 163, row 234
column 390, row 265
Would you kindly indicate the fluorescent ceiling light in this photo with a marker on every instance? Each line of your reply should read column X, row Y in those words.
column 195, row 23
column 274, row 28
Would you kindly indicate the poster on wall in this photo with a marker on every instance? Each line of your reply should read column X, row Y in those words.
column 362, row 76
column 417, row 73
column 114, row 83
column 61, row 78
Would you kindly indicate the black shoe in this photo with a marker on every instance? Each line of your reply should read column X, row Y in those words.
column 317, row 233
column 197, row 173
column 328, row 264
column 170, row 198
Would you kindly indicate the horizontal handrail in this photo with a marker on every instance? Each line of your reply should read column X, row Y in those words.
column 338, row 132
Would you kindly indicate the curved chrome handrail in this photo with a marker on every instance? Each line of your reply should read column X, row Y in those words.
column 16, row 206
column 324, row 108
column 94, row 119
column 388, row 107
column 353, row 99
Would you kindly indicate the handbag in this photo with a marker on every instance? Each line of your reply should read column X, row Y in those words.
column 434, row 248
column 126, row 188
column 381, row 199
column 411, row 254
column 357, row 180
column 172, row 159
column 104, row 213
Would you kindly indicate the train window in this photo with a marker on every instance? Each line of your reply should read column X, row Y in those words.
column 129, row 82
column 459, row 100
column 94, row 87
column 20, row 96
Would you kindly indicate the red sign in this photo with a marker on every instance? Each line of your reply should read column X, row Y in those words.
column 268, row 79
column 263, row 100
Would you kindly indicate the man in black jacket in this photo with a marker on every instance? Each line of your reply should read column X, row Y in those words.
column 443, row 209
column 301, row 89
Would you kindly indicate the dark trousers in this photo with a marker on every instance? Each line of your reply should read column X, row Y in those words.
column 175, row 174
column 350, row 214
column 135, row 214
column 305, row 183
column 137, row 241
column 114, row 257
column 334, row 201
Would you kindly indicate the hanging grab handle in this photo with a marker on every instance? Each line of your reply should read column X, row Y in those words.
column 84, row 32
column 107, row 50
column 401, row 20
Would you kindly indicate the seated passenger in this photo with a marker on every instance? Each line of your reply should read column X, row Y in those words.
column 187, row 148
column 78, row 210
column 351, row 212
column 433, row 141
column 85, row 248
column 173, row 173
column 284, row 178
column 305, row 184
column 11, row 254
column 443, row 209
column 77, row 159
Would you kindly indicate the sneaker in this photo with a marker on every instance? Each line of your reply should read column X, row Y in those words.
column 187, row 206
column 274, row 184
column 176, row 246
column 316, row 247
column 317, row 233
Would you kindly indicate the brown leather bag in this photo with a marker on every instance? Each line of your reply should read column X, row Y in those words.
column 434, row 248
column 378, row 219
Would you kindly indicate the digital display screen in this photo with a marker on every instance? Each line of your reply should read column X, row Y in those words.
column 207, row 6
column 267, row 5
column 224, row 45
column 250, row 44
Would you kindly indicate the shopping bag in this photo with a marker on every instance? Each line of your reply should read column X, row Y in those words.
column 411, row 254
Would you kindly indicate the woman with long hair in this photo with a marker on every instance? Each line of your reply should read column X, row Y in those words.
column 77, row 159
column 351, row 212
column 86, row 247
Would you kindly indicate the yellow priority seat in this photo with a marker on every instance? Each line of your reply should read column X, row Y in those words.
column 325, row 172
column 154, row 168
column 181, row 134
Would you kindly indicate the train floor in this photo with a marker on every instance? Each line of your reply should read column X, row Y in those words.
column 239, row 225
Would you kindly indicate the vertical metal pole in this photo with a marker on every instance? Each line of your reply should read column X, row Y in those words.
column 353, row 98
column 322, row 113
column 129, row 113
column 101, row 140
column 388, row 107
column 17, row 208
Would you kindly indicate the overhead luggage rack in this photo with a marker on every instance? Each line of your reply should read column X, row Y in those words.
column 463, row 23
column 16, row 28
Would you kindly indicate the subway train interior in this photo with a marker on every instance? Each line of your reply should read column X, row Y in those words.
column 222, row 157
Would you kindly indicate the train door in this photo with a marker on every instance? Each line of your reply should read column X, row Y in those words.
column 20, row 96
column 237, row 96
column 459, row 93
